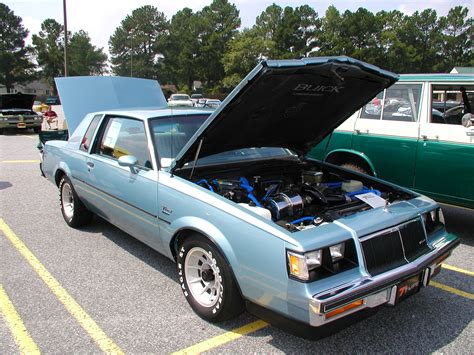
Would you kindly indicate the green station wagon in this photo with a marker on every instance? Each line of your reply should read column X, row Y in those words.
column 418, row 133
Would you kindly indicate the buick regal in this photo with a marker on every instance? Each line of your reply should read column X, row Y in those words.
column 231, row 198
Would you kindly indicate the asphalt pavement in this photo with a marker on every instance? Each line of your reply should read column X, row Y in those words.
column 97, row 289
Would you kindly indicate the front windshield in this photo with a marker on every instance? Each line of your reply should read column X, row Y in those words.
column 172, row 133
column 180, row 97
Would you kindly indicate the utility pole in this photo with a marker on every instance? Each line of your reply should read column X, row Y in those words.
column 65, row 38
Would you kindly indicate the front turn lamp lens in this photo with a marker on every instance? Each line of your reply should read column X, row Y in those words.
column 298, row 267
column 337, row 252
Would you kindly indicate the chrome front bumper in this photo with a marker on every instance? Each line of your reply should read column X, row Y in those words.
column 370, row 292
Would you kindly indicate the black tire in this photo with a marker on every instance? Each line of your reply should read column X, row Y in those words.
column 227, row 302
column 355, row 167
column 36, row 129
column 73, row 210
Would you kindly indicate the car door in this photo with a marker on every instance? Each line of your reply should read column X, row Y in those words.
column 445, row 160
column 124, row 196
column 387, row 132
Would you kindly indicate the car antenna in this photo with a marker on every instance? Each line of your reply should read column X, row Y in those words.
column 198, row 150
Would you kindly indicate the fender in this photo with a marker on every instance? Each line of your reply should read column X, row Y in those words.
column 361, row 155
column 210, row 231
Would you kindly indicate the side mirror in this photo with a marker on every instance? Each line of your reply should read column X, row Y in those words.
column 468, row 122
column 130, row 161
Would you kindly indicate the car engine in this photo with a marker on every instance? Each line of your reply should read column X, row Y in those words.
column 298, row 196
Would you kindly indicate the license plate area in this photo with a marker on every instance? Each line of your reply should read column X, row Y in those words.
column 408, row 288
column 21, row 125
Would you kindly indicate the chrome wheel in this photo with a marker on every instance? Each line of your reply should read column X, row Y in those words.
column 67, row 200
column 203, row 277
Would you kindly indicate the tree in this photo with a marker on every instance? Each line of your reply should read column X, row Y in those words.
column 245, row 51
column 457, row 34
column 49, row 49
column 136, row 45
column 181, row 49
column 84, row 58
column 218, row 25
column 15, row 65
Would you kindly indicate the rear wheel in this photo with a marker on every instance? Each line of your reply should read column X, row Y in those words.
column 74, row 212
column 356, row 167
column 207, row 281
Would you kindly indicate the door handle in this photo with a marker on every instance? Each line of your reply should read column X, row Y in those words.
column 90, row 164
column 358, row 131
column 426, row 138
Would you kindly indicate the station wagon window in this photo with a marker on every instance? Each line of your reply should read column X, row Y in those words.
column 401, row 102
column 449, row 103
column 86, row 141
column 125, row 136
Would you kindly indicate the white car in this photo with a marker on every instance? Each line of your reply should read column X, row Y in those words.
column 180, row 100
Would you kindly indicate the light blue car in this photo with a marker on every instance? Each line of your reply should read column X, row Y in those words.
column 230, row 197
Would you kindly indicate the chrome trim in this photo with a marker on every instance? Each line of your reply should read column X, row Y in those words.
column 333, row 298
column 389, row 230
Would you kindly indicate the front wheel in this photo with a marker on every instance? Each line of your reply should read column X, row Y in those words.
column 207, row 281
column 74, row 212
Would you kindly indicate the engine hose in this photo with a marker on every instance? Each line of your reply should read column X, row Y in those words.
column 302, row 219
column 244, row 183
column 204, row 182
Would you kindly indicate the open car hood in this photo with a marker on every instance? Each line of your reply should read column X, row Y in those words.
column 287, row 103
column 16, row 101
column 81, row 95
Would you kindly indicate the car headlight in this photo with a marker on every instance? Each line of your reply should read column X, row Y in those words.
column 321, row 263
column 433, row 220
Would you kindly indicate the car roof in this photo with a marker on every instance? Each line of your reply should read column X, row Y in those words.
column 436, row 77
column 147, row 113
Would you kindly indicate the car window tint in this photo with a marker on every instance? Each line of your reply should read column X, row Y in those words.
column 172, row 133
column 124, row 136
column 402, row 103
column 86, row 141
column 373, row 109
column 450, row 102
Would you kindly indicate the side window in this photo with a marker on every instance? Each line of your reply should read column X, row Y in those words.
column 87, row 140
column 402, row 103
column 449, row 103
column 373, row 109
column 125, row 136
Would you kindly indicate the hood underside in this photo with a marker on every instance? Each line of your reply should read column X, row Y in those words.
column 288, row 103
column 16, row 101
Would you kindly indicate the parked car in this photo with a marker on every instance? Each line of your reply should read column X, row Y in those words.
column 415, row 139
column 195, row 98
column 39, row 106
column 201, row 102
column 212, row 103
column 250, row 222
column 16, row 112
column 53, row 100
column 180, row 100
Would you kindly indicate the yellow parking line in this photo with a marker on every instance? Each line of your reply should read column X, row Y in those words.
column 19, row 161
column 457, row 269
column 452, row 290
column 87, row 323
column 22, row 338
column 223, row 338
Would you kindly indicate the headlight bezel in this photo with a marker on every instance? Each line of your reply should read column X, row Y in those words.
column 433, row 221
column 299, row 269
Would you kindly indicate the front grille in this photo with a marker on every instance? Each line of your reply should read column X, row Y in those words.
column 394, row 247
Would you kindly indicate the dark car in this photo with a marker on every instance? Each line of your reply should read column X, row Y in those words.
column 16, row 111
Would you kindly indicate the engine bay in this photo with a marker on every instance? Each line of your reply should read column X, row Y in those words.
column 296, row 195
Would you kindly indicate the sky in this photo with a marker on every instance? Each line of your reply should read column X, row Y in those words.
column 100, row 18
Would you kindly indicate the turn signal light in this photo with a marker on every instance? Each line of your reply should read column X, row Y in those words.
column 344, row 308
